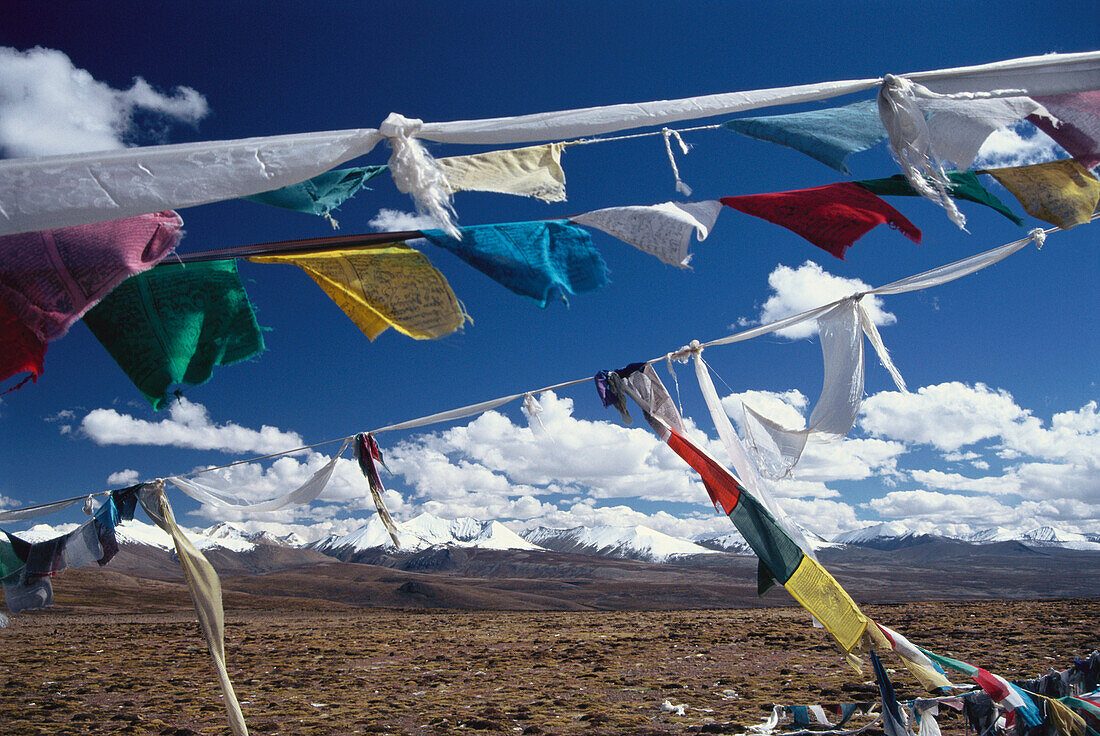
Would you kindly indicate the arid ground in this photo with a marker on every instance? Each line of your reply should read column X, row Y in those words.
column 335, row 669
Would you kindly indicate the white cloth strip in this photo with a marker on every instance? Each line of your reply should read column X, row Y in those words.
column 60, row 191
column 33, row 511
column 307, row 493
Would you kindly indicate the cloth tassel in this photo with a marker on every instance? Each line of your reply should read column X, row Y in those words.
column 415, row 172
column 366, row 451
column 668, row 133
column 871, row 331
column 533, row 410
column 206, row 593
column 911, row 143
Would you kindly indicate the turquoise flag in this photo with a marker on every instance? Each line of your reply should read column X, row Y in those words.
column 829, row 135
column 321, row 194
column 535, row 259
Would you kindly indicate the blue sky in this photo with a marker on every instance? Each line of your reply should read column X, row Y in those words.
column 1002, row 429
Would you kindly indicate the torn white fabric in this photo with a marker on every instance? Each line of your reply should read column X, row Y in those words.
column 927, row 717
column 769, row 725
column 206, row 593
column 777, row 448
column 958, row 128
column 819, row 715
column 534, row 171
column 60, row 191
column 452, row 414
column 416, row 173
column 662, row 230
column 306, row 493
column 650, row 394
column 745, row 468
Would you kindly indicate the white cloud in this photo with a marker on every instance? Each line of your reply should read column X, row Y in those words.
column 8, row 503
column 990, row 485
column 951, row 513
column 947, row 416
column 1019, row 145
column 395, row 221
column 796, row 290
column 48, row 106
column 126, row 477
column 189, row 426
column 826, row 518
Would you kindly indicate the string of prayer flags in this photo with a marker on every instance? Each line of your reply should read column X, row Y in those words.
column 366, row 452
column 662, row 230
column 832, row 217
column 534, row 171
column 535, row 259
column 829, row 135
column 963, row 185
column 321, row 194
column 23, row 351
column 383, row 286
column 206, row 594
column 999, row 689
column 1077, row 124
column 174, row 323
column 1062, row 192
column 927, row 672
column 49, row 279
column 893, row 722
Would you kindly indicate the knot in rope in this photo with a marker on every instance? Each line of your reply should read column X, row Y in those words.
column 1039, row 236
column 416, row 173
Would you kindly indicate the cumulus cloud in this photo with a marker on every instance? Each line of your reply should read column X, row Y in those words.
column 1019, row 145
column 795, row 290
column 49, row 106
column 395, row 221
column 126, row 477
column 938, row 510
column 188, row 426
column 7, row 502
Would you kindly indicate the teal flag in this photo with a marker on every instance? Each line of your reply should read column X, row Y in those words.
column 535, row 259
column 964, row 185
column 321, row 194
column 829, row 136
column 174, row 323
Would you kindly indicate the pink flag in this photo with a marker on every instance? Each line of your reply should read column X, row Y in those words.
column 49, row 279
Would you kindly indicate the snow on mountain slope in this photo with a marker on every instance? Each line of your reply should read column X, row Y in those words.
column 428, row 530
column 885, row 530
column 625, row 542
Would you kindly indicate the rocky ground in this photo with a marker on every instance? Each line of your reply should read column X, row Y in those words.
column 335, row 669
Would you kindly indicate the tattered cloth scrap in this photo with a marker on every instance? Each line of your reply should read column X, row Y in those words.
column 173, row 324
column 534, row 171
column 662, row 230
column 21, row 351
column 780, row 558
column 366, row 452
column 829, row 135
column 964, row 185
column 535, row 259
column 49, row 279
column 893, row 722
column 22, row 591
column 321, row 194
column 1062, row 193
column 383, row 286
column 1077, row 128
column 832, row 217
column 958, row 128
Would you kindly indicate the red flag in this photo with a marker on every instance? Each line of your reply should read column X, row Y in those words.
column 831, row 217
column 20, row 349
column 723, row 488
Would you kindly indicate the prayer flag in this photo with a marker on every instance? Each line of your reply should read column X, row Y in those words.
column 1062, row 193
column 534, row 171
column 20, row 349
column 893, row 723
column 964, row 185
column 662, row 230
column 829, row 136
column 49, row 279
column 321, row 194
column 176, row 322
column 1077, row 128
column 535, row 259
column 383, row 286
column 366, row 452
column 831, row 217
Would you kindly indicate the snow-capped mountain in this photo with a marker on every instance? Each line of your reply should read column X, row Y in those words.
column 426, row 530
column 624, row 542
column 731, row 542
column 886, row 530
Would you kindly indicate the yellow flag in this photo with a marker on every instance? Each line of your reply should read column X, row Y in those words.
column 820, row 594
column 1062, row 193
column 534, row 171
column 1066, row 722
column 383, row 286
